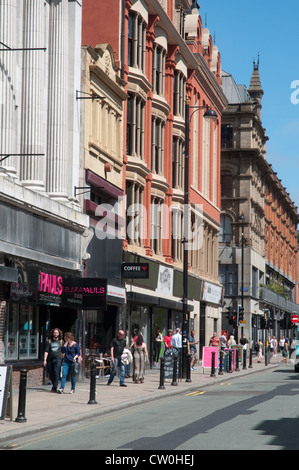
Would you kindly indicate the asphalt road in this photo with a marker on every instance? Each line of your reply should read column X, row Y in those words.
column 255, row 412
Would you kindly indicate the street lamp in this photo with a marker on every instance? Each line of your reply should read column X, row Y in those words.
column 242, row 218
column 211, row 115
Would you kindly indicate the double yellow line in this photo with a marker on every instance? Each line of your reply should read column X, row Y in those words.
column 194, row 394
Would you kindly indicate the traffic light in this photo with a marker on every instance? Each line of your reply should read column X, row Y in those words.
column 241, row 313
column 232, row 317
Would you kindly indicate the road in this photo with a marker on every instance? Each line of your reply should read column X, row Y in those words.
column 254, row 412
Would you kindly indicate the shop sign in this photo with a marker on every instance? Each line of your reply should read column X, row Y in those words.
column 135, row 270
column 211, row 293
column 85, row 293
column 90, row 292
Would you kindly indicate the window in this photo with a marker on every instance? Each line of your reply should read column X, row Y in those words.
column 21, row 337
column 177, row 245
column 135, row 213
column 157, row 146
column 158, row 69
column 136, row 41
column 179, row 87
column 135, row 126
column 177, row 163
column 156, row 224
column 228, row 277
column 226, row 136
column 225, row 233
column 226, row 184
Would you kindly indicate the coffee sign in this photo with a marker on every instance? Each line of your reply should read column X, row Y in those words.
column 135, row 270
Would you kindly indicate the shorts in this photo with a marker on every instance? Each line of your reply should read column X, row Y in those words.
column 194, row 354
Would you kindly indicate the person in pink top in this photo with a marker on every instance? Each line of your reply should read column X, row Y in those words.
column 215, row 341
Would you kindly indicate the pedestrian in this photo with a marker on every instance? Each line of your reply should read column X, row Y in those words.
column 281, row 343
column 167, row 340
column 274, row 346
column 292, row 347
column 157, row 345
column 223, row 342
column 244, row 342
column 176, row 340
column 271, row 346
column 127, row 365
column 214, row 340
column 231, row 342
column 140, row 355
column 72, row 355
column 117, row 347
column 259, row 351
column 52, row 356
column 193, row 349
column 285, row 353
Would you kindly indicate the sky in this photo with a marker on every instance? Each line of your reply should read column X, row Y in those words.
column 242, row 30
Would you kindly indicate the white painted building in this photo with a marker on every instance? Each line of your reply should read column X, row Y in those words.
column 42, row 227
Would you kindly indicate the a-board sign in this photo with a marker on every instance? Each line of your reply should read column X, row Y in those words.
column 5, row 388
column 207, row 356
column 169, row 361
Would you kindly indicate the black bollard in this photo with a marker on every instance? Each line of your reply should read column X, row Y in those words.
column 162, row 374
column 22, row 397
column 244, row 359
column 230, row 361
column 220, row 363
column 237, row 361
column 174, row 376
column 250, row 359
column 188, row 379
column 266, row 356
column 213, row 365
column 92, row 393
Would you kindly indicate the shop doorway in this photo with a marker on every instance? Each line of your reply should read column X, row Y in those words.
column 57, row 317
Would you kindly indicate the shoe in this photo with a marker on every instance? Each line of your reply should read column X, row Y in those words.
column 54, row 390
column 193, row 368
column 122, row 385
column 108, row 383
column 60, row 391
column 72, row 391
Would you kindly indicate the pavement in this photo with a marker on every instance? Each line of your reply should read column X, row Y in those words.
column 45, row 410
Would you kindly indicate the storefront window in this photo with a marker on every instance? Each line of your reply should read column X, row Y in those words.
column 138, row 322
column 97, row 337
column 21, row 338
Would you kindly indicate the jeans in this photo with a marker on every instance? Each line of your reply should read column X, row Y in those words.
column 66, row 367
column 117, row 363
column 53, row 367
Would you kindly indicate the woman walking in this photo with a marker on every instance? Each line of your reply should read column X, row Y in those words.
column 71, row 352
column 140, row 355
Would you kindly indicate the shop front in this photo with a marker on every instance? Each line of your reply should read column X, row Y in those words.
column 36, row 303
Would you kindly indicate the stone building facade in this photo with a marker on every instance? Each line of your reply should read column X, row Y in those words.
column 253, row 202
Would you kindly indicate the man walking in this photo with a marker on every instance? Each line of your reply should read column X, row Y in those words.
column 117, row 346
column 176, row 340
column 193, row 350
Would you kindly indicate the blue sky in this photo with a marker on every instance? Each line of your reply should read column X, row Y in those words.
column 242, row 29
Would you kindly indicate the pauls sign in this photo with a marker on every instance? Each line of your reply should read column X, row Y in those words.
column 135, row 270
column 82, row 293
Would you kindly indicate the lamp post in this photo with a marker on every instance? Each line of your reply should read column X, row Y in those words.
column 211, row 115
column 242, row 218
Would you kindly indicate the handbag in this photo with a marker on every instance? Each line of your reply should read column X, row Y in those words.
column 76, row 368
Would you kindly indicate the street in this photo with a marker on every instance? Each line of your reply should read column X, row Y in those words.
column 254, row 412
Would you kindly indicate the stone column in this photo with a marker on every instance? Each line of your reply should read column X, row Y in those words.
column 32, row 168
column 8, row 105
column 57, row 137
